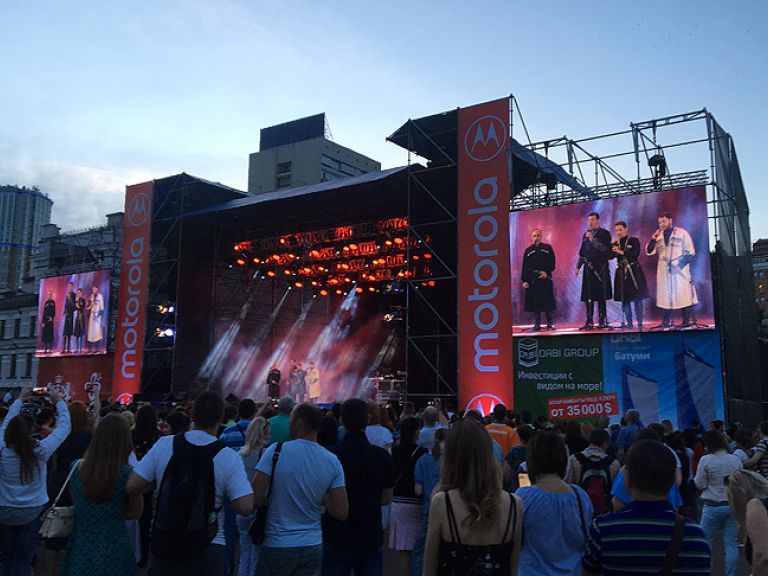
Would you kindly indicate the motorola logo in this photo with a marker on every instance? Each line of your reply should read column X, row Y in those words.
column 138, row 210
column 485, row 139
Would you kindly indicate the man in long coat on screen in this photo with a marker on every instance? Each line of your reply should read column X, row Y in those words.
column 629, row 285
column 538, row 266
column 594, row 255
column 675, row 289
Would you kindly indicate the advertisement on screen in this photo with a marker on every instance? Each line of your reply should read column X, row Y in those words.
column 73, row 314
column 634, row 263
column 675, row 376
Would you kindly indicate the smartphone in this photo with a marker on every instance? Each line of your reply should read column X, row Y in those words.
column 39, row 390
column 523, row 480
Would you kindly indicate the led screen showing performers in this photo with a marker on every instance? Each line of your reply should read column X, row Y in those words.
column 634, row 263
column 73, row 313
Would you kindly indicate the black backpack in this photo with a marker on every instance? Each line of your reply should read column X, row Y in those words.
column 595, row 480
column 186, row 519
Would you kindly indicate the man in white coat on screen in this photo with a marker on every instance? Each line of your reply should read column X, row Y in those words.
column 674, row 281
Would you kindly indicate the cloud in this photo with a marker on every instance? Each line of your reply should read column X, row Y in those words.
column 82, row 195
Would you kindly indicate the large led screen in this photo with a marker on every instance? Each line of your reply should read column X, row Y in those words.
column 632, row 263
column 73, row 314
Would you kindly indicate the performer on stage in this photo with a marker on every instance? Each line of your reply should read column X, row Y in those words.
column 674, row 282
column 538, row 265
column 313, row 378
column 79, row 319
column 629, row 285
column 69, row 319
column 297, row 383
column 95, row 309
column 594, row 254
column 49, row 314
column 273, row 382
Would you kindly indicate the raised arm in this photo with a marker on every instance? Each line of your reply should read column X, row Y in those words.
column 63, row 426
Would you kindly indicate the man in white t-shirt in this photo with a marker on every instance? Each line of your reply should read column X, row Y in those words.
column 306, row 478
column 230, row 482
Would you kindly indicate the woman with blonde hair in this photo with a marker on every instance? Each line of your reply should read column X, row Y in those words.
column 99, row 544
column 257, row 436
column 474, row 526
column 748, row 499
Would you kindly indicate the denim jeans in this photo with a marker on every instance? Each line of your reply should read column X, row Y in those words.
column 338, row 561
column 18, row 545
column 300, row 561
column 719, row 519
column 417, row 556
column 249, row 552
column 212, row 561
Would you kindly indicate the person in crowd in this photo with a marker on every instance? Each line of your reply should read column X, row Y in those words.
column 280, row 424
column 71, row 450
column 433, row 419
column 198, row 451
column 178, row 422
column 405, row 516
column 99, row 545
column 744, row 445
column 145, row 433
column 515, row 459
column 595, row 470
column 505, row 435
column 377, row 434
column 23, row 476
column 426, row 476
column 474, row 526
column 761, row 448
column 627, row 434
column 574, row 437
column 329, row 431
column 620, row 496
column 234, row 436
column 302, row 478
column 716, row 517
column 639, row 539
column 565, row 510
column 748, row 498
column 257, row 438
column 687, row 488
column 355, row 544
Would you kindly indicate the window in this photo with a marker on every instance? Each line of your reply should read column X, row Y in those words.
column 283, row 181
column 12, row 372
column 17, row 328
column 28, row 368
column 32, row 326
column 283, row 168
column 2, row 329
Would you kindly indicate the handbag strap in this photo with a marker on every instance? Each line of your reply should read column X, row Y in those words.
column 275, row 456
column 63, row 486
column 675, row 545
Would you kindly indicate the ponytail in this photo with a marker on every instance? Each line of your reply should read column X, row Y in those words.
column 18, row 437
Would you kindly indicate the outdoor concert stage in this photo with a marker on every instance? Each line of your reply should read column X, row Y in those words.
column 416, row 274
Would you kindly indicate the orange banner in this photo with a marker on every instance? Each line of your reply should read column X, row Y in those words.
column 134, row 285
column 485, row 299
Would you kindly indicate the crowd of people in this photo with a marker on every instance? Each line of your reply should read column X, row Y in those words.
column 221, row 488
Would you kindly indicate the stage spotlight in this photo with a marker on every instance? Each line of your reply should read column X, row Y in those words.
column 282, row 240
column 271, row 273
column 388, row 242
column 427, row 256
column 345, row 266
column 240, row 261
column 298, row 285
column 314, row 282
column 323, row 292
column 307, row 270
column 314, row 253
column 389, row 317
column 353, row 246
column 347, row 280
column 415, row 256
column 287, row 272
column 431, row 283
column 398, row 240
column 338, row 291
column 346, row 248
column 359, row 290
column 371, row 289
column 171, row 309
column 169, row 332
column 256, row 261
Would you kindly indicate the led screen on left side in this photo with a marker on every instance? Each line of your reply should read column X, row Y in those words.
column 73, row 314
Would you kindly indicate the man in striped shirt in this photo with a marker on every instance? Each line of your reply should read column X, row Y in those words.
column 639, row 539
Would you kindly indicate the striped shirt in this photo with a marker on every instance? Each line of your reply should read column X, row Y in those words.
column 762, row 447
column 635, row 541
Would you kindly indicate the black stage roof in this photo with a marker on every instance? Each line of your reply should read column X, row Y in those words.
column 435, row 138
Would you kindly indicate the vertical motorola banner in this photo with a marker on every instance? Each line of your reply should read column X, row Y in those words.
column 134, row 284
column 485, row 308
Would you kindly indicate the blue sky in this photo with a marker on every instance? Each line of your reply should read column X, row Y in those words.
column 97, row 95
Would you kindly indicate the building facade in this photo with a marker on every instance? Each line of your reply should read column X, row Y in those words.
column 23, row 214
column 18, row 332
column 298, row 153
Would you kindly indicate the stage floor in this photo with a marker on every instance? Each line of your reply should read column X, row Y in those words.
column 520, row 330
